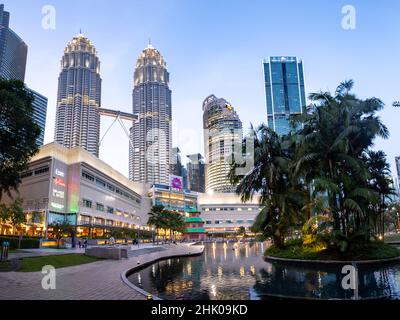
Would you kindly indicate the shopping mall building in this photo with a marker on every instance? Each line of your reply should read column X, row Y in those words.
column 72, row 184
column 224, row 213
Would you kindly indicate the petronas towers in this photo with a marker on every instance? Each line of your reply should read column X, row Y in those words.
column 79, row 109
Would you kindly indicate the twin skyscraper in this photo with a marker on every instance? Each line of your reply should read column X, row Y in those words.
column 79, row 109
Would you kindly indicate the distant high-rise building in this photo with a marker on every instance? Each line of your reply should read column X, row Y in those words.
column 176, row 167
column 223, row 130
column 79, row 96
column 150, row 151
column 13, row 50
column 39, row 113
column 13, row 56
column 285, row 93
column 196, row 173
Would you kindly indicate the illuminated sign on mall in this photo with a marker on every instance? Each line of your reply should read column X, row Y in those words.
column 59, row 173
column 58, row 193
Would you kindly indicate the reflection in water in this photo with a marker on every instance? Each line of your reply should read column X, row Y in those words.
column 238, row 271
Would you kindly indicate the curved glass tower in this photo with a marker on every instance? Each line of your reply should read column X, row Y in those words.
column 223, row 129
column 79, row 95
column 149, row 158
column 13, row 50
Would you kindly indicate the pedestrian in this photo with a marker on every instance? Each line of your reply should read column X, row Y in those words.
column 85, row 243
column 80, row 243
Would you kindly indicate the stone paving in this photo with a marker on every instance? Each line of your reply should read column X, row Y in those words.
column 94, row 281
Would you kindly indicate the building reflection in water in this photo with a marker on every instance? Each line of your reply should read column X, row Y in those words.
column 226, row 271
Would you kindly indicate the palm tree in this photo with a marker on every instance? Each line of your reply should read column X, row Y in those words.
column 156, row 218
column 379, row 181
column 270, row 178
column 337, row 130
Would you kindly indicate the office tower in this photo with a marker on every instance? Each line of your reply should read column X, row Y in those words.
column 39, row 113
column 222, row 135
column 13, row 50
column 13, row 55
column 176, row 167
column 150, row 151
column 79, row 96
column 195, row 171
column 284, row 88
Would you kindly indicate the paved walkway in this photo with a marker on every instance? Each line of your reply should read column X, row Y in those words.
column 93, row 281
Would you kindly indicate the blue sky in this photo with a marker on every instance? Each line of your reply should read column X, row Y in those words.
column 216, row 46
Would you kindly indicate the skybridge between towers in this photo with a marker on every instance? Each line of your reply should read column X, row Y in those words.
column 118, row 116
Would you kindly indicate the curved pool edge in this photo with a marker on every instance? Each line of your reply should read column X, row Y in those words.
column 332, row 262
column 127, row 272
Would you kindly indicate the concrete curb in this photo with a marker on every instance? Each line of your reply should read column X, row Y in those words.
column 129, row 271
column 330, row 262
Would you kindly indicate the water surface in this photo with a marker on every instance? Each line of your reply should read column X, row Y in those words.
column 230, row 271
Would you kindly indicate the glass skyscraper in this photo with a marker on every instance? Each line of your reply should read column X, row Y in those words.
column 150, row 151
column 39, row 113
column 79, row 95
column 284, row 89
column 13, row 50
column 13, row 56
column 222, row 132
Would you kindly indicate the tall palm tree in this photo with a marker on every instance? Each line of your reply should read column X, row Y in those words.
column 337, row 130
column 280, row 196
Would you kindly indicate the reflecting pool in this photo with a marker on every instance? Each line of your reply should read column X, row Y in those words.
column 237, row 271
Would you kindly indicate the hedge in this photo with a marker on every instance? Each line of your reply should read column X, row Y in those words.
column 26, row 243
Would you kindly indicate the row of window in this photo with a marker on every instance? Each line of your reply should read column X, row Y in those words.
column 35, row 172
column 104, row 185
column 231, row 209
column 229, row 221
column 100, row 207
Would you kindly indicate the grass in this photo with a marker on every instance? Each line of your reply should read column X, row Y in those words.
column 57, row 261
column 358, row 251
column 392, row 237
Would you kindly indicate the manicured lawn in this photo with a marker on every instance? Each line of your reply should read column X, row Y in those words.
column 368, row 251
column 392, row 237
column 57, row 261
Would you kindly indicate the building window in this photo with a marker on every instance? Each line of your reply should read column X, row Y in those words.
column 228, row 221
column 250, row 221
column 110, row 210
column 87, row 176
column 240, row 221
column 99, row 207
column 87, row 203
column 100, row 183
column 218, row 221
column 208, row 221
column 41, row 171
column 26, row 174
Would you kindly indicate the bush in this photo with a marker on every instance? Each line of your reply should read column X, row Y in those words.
column 26, row 243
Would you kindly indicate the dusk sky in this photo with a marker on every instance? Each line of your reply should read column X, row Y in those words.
column 215, row 47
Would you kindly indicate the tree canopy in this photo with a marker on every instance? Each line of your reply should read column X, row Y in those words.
column 18, row 133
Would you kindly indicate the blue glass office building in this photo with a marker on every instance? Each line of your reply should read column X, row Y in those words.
column 39, row 113
column 284, row 88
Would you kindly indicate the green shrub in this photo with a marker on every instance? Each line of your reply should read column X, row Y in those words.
column 26, row 243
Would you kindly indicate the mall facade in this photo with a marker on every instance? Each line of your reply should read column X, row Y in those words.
column 224, row 213
column 74, row 185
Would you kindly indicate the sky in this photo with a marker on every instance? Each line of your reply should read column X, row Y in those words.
column 215, row 47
